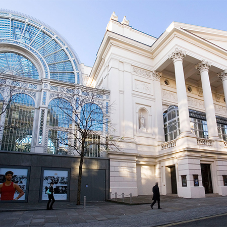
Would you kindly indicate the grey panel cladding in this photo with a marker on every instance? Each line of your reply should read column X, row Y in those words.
column 36, row 162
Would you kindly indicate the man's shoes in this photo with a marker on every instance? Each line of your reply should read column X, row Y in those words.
column 159, row 208
column 151, row 207
column 48, row 208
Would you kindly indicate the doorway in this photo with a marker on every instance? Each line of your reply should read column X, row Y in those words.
column 206, row 178
column 173, row 179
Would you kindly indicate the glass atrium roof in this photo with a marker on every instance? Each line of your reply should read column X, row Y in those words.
column 58, row 59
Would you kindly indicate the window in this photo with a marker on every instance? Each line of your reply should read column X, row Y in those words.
column 59, row 121
column 222, row 131
column 171, row 123
column 92, row 145
column 17, row 134
column 199, row 127
column 225, row 180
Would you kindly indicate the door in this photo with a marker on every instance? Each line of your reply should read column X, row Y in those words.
column 173, row 179
column 93, row 185
column 206, row 178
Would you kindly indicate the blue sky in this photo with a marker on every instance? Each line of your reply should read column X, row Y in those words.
column 83, row 22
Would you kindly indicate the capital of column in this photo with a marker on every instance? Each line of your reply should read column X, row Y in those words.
column 203, row 66
column 223, row 75
column 156, row 75
column 177, row 55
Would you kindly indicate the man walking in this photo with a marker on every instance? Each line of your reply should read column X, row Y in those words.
column 50, row 197
column 8, row 188
column 156, row 196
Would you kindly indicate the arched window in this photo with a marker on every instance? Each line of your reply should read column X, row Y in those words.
column 59, row 121
column 18, row 127
column 15, row 64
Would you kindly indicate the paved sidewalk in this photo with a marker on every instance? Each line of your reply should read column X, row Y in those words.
column 112, row 214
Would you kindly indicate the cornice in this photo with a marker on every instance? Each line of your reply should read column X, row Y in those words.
column 122, row 42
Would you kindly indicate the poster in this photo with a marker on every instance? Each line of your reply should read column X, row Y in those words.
column 60, row 180
column 184, row 181
column 20, row 177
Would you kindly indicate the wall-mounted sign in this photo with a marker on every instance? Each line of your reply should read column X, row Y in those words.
column 20, row 177
column 61, row 183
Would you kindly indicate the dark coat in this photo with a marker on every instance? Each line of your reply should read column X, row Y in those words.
column 156, row 194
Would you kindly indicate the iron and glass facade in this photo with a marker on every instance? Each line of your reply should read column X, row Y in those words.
column 40, row 87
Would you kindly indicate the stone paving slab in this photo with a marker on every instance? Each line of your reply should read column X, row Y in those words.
column 114, row 214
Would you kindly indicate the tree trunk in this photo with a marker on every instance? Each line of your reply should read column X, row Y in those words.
column 80, row 170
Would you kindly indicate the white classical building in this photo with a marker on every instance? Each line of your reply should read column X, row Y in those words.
column 169, row 110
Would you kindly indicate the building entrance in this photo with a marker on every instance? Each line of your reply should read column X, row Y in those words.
column 173, row 179
column 206, row 178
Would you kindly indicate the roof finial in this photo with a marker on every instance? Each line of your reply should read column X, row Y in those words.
column 125, row 21
column 114, row 17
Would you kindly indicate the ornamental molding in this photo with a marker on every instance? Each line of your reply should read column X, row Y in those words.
column 114, row 17
column 223, row 75
column 125, row 21
column 177, row 55
column 19, row 91
column 142, row 86
column 203, row 66
column 142, row 72
column 156, row 75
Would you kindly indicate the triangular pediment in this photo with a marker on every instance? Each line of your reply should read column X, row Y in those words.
column 214, row 36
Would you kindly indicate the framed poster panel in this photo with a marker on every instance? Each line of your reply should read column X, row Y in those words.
column 225, row 180
column 60, row 178
column 20, row 177
column 196, row 180
column 184, row 180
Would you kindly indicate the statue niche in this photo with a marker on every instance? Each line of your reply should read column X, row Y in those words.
column 143, row 116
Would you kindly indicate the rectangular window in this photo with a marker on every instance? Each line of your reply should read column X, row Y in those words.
column 184, row 180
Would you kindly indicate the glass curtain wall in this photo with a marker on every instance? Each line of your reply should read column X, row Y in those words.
column 18, row 127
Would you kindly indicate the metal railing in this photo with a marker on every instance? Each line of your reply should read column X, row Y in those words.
column 120, row 197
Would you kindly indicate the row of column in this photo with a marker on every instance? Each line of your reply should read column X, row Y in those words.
column 203, row 67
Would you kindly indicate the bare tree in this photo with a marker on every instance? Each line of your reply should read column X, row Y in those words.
column 90, row 126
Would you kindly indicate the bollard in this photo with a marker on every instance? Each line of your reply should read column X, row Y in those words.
column 116, row 196
column 110, row 196
column 84, row 202
column 123, row 197
column 130, row 198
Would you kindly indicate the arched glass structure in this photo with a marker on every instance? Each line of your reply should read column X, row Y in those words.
column 198, row 124
column 59, row 122
column 19, row 124
column 15, row 64
column 57, row 58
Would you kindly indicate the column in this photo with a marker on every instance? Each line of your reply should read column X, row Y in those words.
column 6, row 96
column 177, row 57
column 223, row 76
column 158, row 107
column 203, row 68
